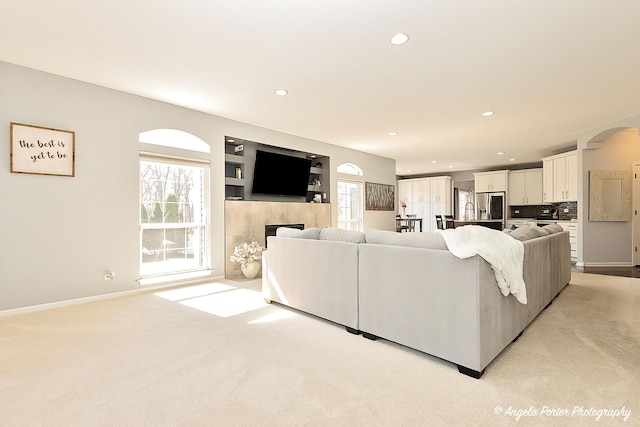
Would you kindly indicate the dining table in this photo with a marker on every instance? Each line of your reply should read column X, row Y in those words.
column 409, row 222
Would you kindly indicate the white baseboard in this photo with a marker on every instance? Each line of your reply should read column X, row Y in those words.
column 606, row 264
column 76, row 301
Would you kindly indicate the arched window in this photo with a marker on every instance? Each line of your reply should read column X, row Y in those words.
column 350, row 197
column 174, row 138
column 350, row 169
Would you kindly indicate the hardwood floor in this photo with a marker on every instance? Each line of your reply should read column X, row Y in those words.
column 612, row 271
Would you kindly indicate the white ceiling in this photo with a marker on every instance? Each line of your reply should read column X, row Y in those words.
column 550, row 69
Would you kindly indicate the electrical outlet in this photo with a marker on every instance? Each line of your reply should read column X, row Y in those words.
column 109, row 275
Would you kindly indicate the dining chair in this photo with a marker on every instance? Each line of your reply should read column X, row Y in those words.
column 400, row 227
column 439, row 222
column 411, row 223
column 448, row 219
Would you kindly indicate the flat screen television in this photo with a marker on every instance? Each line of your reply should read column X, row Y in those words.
column 281, row 175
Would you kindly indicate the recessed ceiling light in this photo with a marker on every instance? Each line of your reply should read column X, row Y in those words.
column 450, row 166
column 281, row 92
column 501, row 153
column 512, row 160
column 399, row 39
column 488, row 113
column 393, row 133
column 231, row 140
column 434, row 161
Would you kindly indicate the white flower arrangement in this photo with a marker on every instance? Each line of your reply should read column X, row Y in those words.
column 246, row 252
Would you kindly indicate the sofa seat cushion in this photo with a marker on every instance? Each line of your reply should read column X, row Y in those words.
column 413, row 240
column 341, row 235
column 307, row 233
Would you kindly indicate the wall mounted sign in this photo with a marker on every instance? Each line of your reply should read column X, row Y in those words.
column 379, row 197
column 42, row 151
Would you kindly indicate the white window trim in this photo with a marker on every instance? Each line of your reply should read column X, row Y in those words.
column 353, row 179
column 154, row 279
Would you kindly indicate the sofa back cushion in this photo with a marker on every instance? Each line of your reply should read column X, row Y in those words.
column 307, row 233
column 552, row 228
column 526, row 233
column 341, row 235
column 414, row 240
column 522, row 233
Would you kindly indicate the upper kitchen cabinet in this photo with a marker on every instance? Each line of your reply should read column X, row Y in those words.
column 405, row 191
column 561, row 176
column 490, row 181
column 441, row 190
column 525, row 187
column 547, row 181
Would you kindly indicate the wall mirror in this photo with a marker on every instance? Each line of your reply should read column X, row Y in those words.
column 609, row 195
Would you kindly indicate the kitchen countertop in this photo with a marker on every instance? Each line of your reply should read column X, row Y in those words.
column 543, row 221
column 475, row 221
column 496, row 224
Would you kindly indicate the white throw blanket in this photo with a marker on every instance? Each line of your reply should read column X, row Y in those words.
column 503, row 252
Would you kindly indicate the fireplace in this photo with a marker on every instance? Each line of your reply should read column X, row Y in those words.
column 270, row 229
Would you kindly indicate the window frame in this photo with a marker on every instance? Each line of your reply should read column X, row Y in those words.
column 360, row 185
column 205, row 225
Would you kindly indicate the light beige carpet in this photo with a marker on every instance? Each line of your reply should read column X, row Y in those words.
column 168, row 360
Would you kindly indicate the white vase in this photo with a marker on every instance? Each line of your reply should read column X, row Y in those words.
column 250, row 269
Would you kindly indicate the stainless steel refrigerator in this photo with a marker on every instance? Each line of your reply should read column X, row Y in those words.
column 491, row 206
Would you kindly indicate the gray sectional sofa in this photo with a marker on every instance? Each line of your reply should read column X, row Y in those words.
column 408, row 288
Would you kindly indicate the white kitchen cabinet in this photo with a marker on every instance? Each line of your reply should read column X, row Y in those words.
column 547, row 181
column 564, row 176
column 525, row 187
column 440, row 190
column 405, row 191
column 490, row 181
column 426, row 197
column 421, row 191
column 572, row 228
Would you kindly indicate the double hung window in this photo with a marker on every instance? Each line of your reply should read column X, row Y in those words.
column 350, row 197
column 173, row 215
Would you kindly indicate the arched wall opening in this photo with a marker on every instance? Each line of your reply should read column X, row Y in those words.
column 611, row 148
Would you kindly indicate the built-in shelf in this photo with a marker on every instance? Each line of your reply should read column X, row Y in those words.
column 239, row 156
column 234, row 169
column 234, row 181
column 233, row 158
column 318, row 175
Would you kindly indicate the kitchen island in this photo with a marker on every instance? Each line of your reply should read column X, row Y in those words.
column 496, row 224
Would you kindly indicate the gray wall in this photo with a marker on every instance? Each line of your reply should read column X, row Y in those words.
column 608, row 242
column 62, row 233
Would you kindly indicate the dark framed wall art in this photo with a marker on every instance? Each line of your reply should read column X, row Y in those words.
column 379, row 197
column 42, row 151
